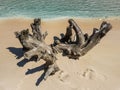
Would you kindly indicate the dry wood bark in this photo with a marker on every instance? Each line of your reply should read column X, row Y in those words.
column 35, row 46
column 83, row 42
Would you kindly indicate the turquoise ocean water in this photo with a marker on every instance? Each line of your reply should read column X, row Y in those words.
column 59, row 8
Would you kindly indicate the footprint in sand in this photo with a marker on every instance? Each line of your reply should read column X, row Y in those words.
column 92, row 74
column 63, row 76
column 89, row 74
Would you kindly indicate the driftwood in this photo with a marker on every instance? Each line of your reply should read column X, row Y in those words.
column 35, row 47
column 83, row 42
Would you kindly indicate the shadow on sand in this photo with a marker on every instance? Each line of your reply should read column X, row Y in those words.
column 37, row 69
column 18, row 52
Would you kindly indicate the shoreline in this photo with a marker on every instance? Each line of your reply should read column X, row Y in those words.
column 59, row 18
column 84, row 23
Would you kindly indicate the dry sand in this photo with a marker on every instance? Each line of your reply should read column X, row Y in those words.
column 99, row 69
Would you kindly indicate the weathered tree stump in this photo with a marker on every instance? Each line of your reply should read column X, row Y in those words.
column 83, row 42
column 35, row 46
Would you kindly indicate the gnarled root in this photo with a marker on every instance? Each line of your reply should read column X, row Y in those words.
column 52, row 69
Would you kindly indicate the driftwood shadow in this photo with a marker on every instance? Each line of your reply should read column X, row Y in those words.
column 34, row 70
column 40, row 79
column 22, row 62
column 16, row 51
column 37, row 69
column 25, row 61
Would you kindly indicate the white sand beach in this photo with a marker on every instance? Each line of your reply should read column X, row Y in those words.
column 99, row 69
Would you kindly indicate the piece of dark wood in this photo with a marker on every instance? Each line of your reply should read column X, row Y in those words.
column 67, row 38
